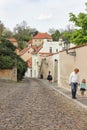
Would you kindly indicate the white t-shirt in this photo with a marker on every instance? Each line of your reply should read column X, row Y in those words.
column 74, row 78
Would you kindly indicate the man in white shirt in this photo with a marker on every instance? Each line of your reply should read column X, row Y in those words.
column 74, row 81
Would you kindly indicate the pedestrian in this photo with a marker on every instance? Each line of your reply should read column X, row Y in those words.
column 74, row 82
column 83, row 86
column 49, row 77
column 41, row 76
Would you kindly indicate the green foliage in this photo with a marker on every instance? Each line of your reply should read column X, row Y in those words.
column 1, row 28
column 23, row 33
column 80, row 20
column 56, row 35
column 21, row 68
column 7, row 33
column 21, row 44
column 79, row 36
column 6, row 62
column 9, row 59
column 66, row 35
column 6, row 45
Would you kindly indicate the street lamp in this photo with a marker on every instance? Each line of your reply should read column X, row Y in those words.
column 67, row 46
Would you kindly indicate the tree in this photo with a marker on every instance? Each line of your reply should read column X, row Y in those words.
column 56, row 35
column 2, row 27
column 8, row 56
column 66, row 34
column 79, row 35
column 7, row 33
column 22, row 32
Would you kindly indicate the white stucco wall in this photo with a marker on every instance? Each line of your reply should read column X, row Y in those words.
column 55, row 45
column 46, row 47
column 55, row 67
column 34, row 66
column 28, row 73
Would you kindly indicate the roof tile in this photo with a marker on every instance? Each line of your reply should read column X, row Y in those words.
column 42, row 36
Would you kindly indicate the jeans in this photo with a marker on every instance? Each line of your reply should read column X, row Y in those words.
column 74, row 89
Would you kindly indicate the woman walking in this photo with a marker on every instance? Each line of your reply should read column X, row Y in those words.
column 74, row 82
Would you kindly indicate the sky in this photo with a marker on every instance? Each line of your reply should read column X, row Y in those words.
column 40, row 14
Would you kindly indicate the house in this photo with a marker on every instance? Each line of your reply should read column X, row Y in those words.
column 25, row 54
column 28, row 73
column 35, row 62
column 17, row 51
column 51, row 47
column 30, row 43
column 48, row 59
column 39, row 39
column 50, row 52
column 48, row 62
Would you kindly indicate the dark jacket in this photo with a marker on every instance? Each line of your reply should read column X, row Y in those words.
column 49, row 77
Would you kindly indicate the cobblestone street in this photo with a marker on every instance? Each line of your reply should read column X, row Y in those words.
column 33, row 105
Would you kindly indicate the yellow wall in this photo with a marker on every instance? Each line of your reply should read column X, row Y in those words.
column 46, row 66
column 37, row 42
column 27, row 55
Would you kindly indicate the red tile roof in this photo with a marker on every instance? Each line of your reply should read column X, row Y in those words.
column 24, row 51
column 35, row 49
column 46, row 54
column 42, row 36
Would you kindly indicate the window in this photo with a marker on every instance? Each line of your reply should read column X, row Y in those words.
column 50, row 50
column 56, row 50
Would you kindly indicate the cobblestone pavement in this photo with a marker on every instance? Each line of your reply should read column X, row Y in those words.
column 33, row 105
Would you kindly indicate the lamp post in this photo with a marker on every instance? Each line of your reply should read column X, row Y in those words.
column 67, row 46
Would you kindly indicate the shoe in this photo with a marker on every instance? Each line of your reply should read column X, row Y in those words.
column 74, row 97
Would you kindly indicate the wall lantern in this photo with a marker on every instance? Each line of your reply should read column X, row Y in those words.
column 67, row 46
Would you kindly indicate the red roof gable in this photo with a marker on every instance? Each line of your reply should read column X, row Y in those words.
column 42, row 36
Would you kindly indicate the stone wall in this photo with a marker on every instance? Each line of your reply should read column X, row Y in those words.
column 8, row 74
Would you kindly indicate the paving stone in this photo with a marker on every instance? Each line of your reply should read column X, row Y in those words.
column 33, row 105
